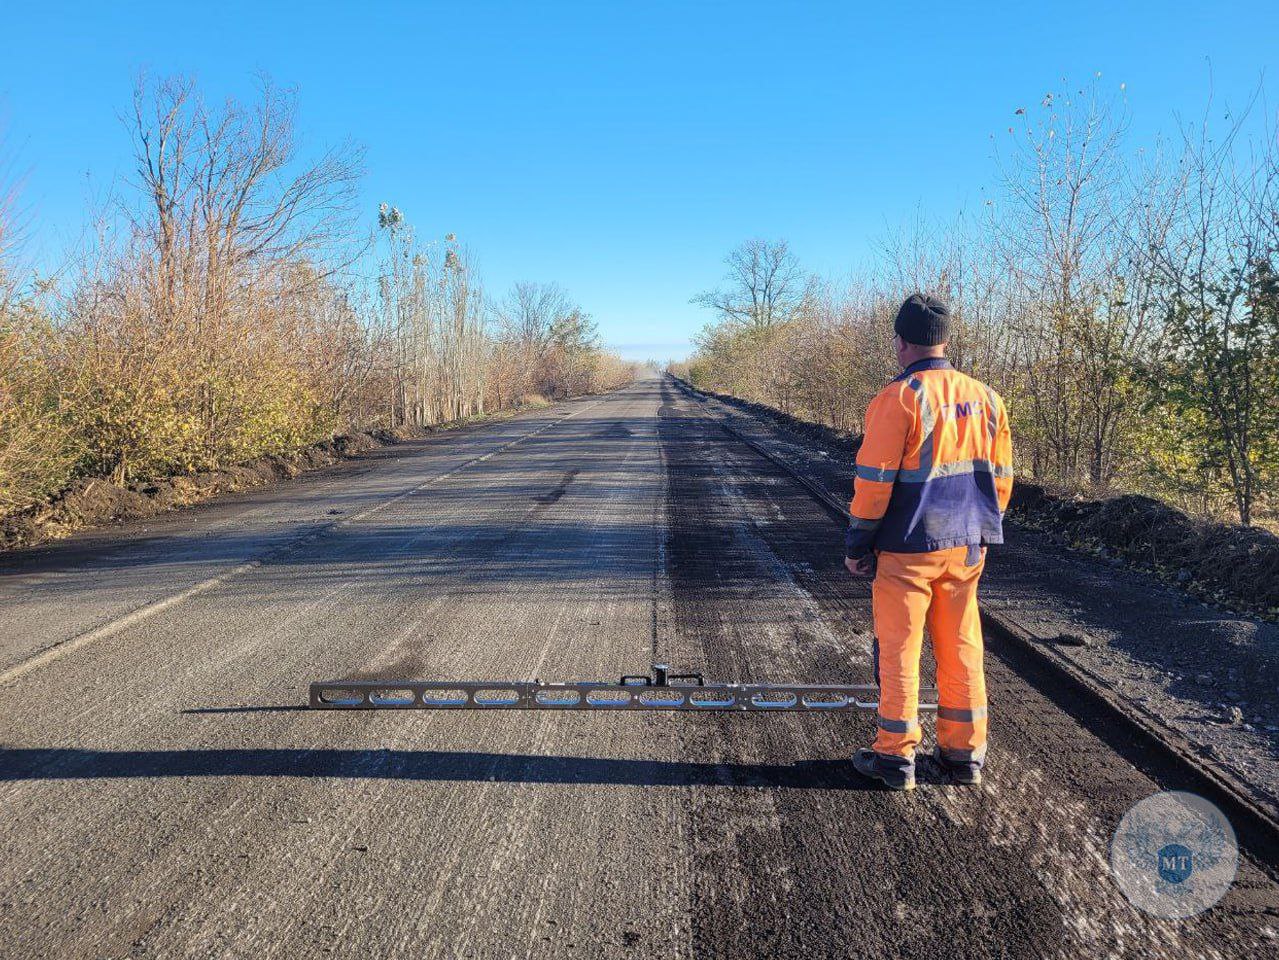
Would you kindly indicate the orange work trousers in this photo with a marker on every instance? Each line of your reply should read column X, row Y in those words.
column 937, row 590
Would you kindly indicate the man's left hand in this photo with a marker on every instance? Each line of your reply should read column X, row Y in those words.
column 865, row 567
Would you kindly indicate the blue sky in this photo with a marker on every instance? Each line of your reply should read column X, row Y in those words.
column 620, row 149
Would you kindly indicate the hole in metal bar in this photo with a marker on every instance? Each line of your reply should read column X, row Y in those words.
column 826, row 700
column 558, row 698
column 608, row 698
column 390, row 697
column 656, row 697
column 711, row 699
column 341, row 696
column 774, row 699
column 433, row 697
column 496, row 698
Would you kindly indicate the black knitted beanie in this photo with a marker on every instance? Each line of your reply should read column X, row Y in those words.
column 923, row 320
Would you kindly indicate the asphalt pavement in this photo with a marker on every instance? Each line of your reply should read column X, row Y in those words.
column 165, row 793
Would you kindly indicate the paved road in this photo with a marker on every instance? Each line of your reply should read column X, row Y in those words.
column 162, row 794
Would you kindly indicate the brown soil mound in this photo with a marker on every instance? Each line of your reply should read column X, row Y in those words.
column 1231, row 565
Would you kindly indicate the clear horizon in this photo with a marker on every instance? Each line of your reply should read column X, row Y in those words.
column 621, row 152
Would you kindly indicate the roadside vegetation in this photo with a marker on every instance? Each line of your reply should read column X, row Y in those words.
column 234, row 302
column 1125, row 302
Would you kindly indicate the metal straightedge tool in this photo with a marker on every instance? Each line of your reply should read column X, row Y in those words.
column 661, row 690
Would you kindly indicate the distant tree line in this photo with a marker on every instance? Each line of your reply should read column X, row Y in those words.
column 229, row 304
column 1126, row 305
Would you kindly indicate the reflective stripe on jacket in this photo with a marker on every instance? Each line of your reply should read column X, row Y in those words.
column 934, row 470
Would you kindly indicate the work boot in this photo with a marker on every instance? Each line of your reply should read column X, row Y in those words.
column 959, row 772
column 896, row 773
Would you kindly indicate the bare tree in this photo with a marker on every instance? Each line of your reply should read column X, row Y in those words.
column 1218, row 289
column 181, row 342
column 434, row 310
column 462, row 342
column 1078, row 327
column 528, row 315
column 224, row 206
column 764, row 285
column 547, row 344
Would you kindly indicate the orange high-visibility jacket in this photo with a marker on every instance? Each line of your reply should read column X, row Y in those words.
column 935, row 466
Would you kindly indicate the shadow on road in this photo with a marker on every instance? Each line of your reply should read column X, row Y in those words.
column 291, row 708
column 424, row 765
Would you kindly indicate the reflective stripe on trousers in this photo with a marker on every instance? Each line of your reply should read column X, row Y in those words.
column 937, row 590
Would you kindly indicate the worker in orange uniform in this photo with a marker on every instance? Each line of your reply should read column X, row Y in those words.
column 934, row 474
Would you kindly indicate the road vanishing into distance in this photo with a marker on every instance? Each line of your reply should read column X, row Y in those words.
column 164, row 792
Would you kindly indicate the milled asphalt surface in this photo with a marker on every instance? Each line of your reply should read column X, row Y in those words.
column 163, row 793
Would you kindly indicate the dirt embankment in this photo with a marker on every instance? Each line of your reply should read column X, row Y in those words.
column 1225, row 564
column 91, row 501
